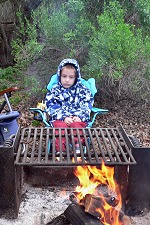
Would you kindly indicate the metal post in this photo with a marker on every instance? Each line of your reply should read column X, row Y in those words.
column 10, row 183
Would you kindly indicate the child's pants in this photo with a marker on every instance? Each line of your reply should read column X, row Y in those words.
column 62, row 124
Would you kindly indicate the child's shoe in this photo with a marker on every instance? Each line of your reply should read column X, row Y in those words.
column 77, row 148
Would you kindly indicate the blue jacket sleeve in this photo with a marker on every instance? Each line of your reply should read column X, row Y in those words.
column 84, row 106
column 54, row 108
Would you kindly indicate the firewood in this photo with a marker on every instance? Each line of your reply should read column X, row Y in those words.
column 92, row 203
column 76, row 215
column 60, row 220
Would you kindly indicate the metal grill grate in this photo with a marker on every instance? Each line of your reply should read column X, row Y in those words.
column 37, row 147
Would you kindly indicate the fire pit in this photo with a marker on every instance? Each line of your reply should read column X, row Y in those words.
column 34, row 150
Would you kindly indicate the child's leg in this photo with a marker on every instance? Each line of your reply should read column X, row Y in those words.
column 78, row 125
column 60, row 124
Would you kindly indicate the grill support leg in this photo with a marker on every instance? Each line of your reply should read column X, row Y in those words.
column 138, row 198
column 10, row 184
column 121, row 176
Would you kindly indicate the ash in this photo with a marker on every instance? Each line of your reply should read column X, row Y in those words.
column 39, row 206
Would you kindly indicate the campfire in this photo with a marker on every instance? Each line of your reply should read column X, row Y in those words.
column 97, row 196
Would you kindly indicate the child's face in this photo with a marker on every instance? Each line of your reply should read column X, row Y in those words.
column 68, row 77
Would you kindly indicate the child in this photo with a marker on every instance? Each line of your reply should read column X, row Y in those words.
column 69, row 102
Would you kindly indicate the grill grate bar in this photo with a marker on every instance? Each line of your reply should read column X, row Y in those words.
column 127, row 148
column 109, row 134
column 67, row 146
column 38, row 147
column 33, row 146
column 53, row 146
column 47, row 145
column 87, row 144
column 93, row 146
column 103, row 134
column 80, row 143
column 123, row 155
column 26, row 145
column 100, row 147
column 21, row 148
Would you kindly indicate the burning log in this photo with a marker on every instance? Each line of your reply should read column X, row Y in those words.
column 76, row 215
column 101, row 205
column 60, row 220
column 92, row 203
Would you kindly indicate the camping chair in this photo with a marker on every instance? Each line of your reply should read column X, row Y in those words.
column 8, row 120
column 40, row 113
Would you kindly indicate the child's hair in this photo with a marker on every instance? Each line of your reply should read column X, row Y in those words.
column 69, row 66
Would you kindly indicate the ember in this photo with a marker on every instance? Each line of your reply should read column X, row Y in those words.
column 99, row 193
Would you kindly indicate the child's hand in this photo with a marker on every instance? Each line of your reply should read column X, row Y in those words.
column 76, row 119
column 68, row 120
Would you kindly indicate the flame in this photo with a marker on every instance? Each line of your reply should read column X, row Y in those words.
column 90, row 177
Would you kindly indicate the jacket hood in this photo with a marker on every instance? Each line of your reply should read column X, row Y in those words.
column 70, row 61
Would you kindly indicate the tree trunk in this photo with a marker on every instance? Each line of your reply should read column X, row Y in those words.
column 8, row 9
column 7, row 25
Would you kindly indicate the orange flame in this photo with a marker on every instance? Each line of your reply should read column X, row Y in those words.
column 91, row 177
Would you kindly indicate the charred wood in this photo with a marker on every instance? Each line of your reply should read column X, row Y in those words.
column 92, row 203
column 76, row 215
column 60, row 220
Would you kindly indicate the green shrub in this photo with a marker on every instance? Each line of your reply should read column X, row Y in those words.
column 16, row 99
column 143, row 9
column 8, row 77
column 118, row 49
column 35, row 123
column 65, row 28
column 25, row 44
column 115, row 45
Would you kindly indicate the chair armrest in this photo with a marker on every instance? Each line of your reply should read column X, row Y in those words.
column 41, row 112
column 99, row 110
column 9, row 90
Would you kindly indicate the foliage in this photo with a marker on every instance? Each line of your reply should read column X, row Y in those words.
column 113, row 45
column 7, row 77
column 138, row 13
column 7, row 73
column 94, row 8
column 25, row 45
column 110, row 38
column 15, row 99
column 116, row 47
column 65, row 28
column 143, row 7
column 35, row 123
